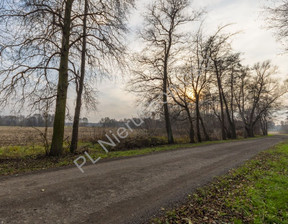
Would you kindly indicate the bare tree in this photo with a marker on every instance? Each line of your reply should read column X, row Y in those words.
column 229, row 67
column 60, row 112
column 29, row 48
column 265, row 118
column 102, row 42
column 277, row 19
column 191, row 81
column 43, row 52
column 200, row 74
column 256, row 94
column 223, row 63
column 163, row 38
column 80, row 82
column 35, row 38
column 180, row 91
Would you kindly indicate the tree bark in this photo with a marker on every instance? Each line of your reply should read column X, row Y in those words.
column 207, row 138
column 221, row 103
column 166, row 114
column 230, row 120
column 59, row 121
column 198, row 119
column 264, row 126
column 75, row 132
column 250, row 131
column 165, row 85
column 191, row 131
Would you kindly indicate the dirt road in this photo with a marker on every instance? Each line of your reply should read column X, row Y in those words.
column 122, row 191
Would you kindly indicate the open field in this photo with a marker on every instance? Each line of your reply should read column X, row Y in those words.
column 29, row 136
column 22, row 136
column 18, row 142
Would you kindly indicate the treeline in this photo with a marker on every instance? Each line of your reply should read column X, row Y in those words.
column 35, row 120
column 200, row 78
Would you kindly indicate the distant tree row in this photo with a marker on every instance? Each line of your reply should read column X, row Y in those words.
column 36, row 120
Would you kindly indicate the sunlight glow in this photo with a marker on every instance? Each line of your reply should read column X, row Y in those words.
column 190, row 94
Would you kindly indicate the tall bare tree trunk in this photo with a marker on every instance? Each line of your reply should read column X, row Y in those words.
column 165, row 98
column 250, row 131
column 75, row 132
column 264, row 125
column 234, row 134
column 59, row 121
column 191, row 131
column 221, row 103
column 198, row 119
column 222, row 118
column 230, row 120
column 207, row 138
column 166, row 113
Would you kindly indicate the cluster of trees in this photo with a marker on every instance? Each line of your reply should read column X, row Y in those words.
column 48, row 47
column 200, row 75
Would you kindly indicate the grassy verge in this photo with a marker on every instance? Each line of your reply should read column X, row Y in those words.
column 255, row 193
column 21, row 159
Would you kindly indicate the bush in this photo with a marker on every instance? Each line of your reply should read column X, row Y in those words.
column 139, row 141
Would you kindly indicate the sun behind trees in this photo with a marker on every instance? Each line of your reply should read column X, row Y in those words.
column 49, row 48
column 163, row 36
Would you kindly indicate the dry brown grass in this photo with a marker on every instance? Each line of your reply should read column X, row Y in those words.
column 22, row 136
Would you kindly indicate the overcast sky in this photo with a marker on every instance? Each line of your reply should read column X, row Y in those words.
column 255, row 42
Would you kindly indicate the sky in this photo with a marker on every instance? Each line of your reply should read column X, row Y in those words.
column 254, row 41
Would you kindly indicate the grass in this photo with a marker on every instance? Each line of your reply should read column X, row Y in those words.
column 21, row 159
column 255, row 193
